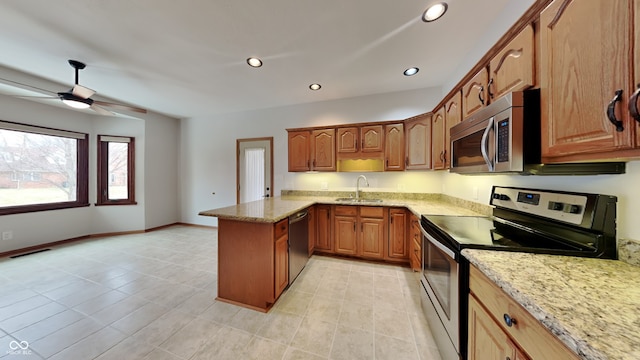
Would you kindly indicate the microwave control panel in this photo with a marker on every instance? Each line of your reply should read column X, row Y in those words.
column 503, row 140
column 560, row 206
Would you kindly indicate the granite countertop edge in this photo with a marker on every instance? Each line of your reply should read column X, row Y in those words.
column 286, row 205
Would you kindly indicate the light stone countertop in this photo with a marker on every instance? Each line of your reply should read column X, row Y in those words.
column 274, row 209
column 592, row 305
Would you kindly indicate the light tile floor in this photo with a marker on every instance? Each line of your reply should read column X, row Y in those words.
column 152, row 296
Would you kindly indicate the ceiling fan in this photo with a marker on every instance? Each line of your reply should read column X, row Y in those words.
column 79, row 97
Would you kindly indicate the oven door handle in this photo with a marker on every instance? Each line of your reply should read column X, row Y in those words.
column 437, row 244
column 484, row 145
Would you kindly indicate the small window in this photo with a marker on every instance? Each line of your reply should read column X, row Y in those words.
column 41, row 168
column 116, row 170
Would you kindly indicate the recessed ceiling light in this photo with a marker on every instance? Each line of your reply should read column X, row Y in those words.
column 315, row 87
column 434, row 12
column 254, row 62
column 411, row 71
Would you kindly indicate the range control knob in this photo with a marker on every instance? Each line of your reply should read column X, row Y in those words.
column 572, row 209
column 504, row 197
column 553, row 205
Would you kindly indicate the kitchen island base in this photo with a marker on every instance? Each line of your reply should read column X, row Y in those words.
column 252, row 268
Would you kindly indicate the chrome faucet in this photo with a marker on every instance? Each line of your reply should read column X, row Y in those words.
column 358, row 185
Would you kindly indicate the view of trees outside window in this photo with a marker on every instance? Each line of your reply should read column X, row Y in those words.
column 36, row 168
column 118, row 165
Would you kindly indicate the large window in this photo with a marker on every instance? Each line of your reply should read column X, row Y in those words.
column 115, row 170
column 41, row 168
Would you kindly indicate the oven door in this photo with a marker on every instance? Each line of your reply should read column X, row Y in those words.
column 440, row 296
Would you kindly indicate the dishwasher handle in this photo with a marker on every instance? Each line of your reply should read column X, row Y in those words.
column 298, row 217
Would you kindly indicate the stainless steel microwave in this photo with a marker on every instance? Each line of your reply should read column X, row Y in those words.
column 501, row 137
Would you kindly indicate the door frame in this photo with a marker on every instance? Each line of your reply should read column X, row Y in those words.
column 238, row 142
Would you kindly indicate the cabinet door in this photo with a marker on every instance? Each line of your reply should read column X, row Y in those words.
column 347, row 139
column 299, row 146
column 281, row 264
column 486, row 338
column 584, row 60
column 394, row 147
column 372, row 138
column 452, row 117
column 437, row 140
column 372, row 238
column 312, row 228
column 415, row 244
column 323, row 150
column 474, row 93
column 345, row 234
column 512, row 68
column 418, row 143
column 323, row 228
column 635, row 102
column 398, row 248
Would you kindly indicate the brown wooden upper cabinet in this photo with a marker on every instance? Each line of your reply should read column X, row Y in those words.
column 512, row 69
column 313, row 150
column 360, row 142
column 437, row 140
column 587, row 78
column 394, row 147
column 418, row 142
column 474, row 93
column 452, row 117
column 299, row 150
column 444, row 119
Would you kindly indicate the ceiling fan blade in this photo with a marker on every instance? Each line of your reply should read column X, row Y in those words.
column 26, row 86
column 120, row 106
column 82, row 92
column 100, row 110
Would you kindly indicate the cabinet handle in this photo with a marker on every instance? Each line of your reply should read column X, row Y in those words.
column 361, row 147
column 406, row 160
column 387, row 163
column 509, row 320
column 633, row 104
column 480, row 93
column 611, row 111
column 489, row 88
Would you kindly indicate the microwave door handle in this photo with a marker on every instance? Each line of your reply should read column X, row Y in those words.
column 484, row 145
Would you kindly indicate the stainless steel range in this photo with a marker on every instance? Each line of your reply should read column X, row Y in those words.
column 526, row 220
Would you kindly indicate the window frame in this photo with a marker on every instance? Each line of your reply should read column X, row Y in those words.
column 102, row 197
column 82, row 168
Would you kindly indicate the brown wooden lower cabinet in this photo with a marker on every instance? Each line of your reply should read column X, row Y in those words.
column 397, row 248
column 491, row 337
column 252, row 262
column 324, row 236
column 415, row 243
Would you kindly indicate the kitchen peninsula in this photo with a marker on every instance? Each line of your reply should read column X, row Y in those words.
column 252, row 252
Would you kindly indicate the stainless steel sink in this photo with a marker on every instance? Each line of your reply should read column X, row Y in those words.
column 354, row 200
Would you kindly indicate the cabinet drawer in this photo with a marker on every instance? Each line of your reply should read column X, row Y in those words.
column 282, row 228
column 526, row 331
column 346, row 210
column 372, row 211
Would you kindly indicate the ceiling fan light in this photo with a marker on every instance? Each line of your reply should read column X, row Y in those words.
column 434, row 12
column 76, row 104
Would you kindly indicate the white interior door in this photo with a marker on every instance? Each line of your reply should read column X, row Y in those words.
column 254, row 169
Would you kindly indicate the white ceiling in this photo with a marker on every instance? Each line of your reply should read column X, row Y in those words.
column 188, row 58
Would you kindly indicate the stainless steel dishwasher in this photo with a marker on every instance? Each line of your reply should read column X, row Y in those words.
column 298, row 243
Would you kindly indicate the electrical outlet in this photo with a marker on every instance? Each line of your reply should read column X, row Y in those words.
column 324, row 185
column 7, row 235
column 475, row 193
column 400, row 187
